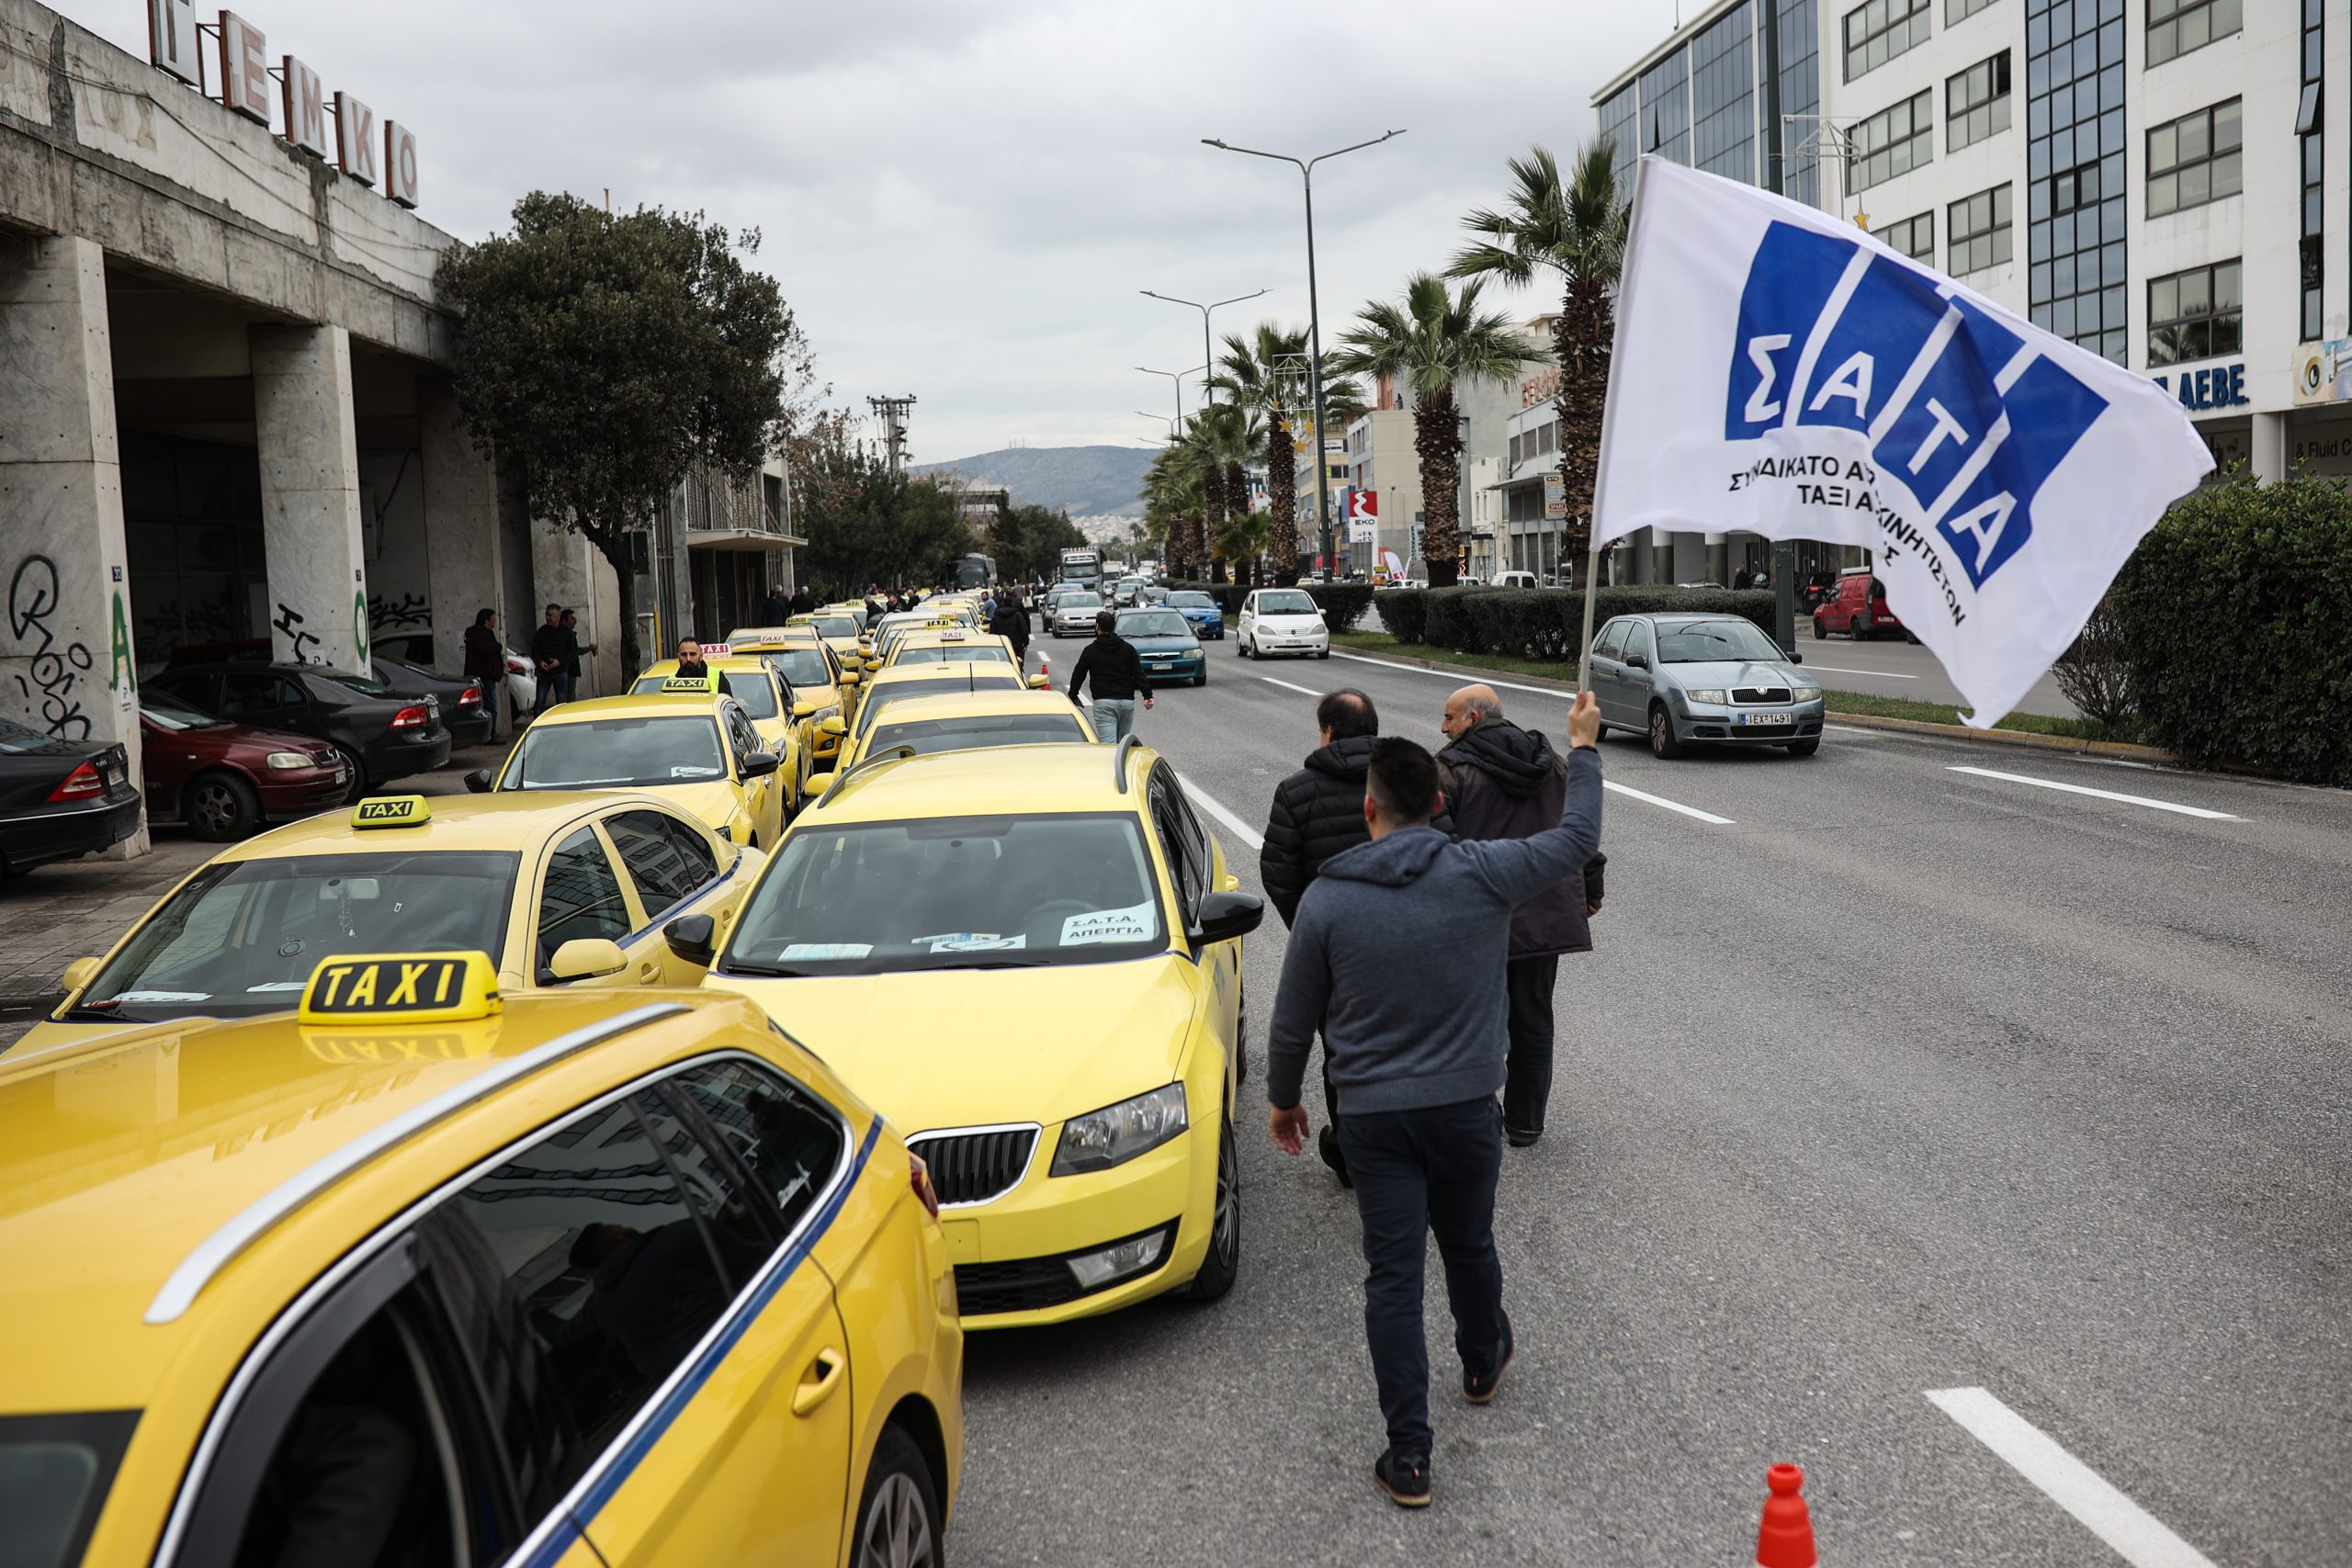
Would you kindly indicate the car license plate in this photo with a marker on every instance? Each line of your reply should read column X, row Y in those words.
column 342, row 774
column 1766, row 720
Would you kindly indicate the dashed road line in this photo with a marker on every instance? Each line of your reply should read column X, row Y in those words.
column 2103, row 795
column 1669, row 804
column 2137, row 1535
column 1882, row 674
column 1303, row 691
column 1249, row 835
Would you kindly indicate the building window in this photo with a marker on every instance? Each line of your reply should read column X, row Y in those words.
column 2195, row 314
column 1800, row 168
column 1878, row 31
column 2194, row 160
column 1723, row 97
column 1956, row 10
column 2175, row 27
column 1977, row 103
column 1894, row 142
column 1914, row 237
column 2075, row 154
column 2077, row 187
column 2313, row 256
column 1980, row 231
column 1617, row 125
column 1666, row 108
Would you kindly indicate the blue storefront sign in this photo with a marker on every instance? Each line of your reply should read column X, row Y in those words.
column 2223, row 387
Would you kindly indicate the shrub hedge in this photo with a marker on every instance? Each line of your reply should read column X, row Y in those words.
column 2236, row 617
column 1543, row 623
column 1342, row 603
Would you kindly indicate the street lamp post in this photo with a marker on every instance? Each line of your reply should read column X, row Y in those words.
column 1177, row 376
column 1314, row 323
column 1207, row 351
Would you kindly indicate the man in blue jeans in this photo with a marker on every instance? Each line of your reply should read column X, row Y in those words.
column 1113, row 668
column 1399, row 957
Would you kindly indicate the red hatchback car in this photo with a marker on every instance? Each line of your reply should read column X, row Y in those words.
column 1857, row 608
column 224, row 779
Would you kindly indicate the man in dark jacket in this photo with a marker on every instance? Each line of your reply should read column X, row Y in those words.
column 1502, row 781
column 486, row 663
column 1397, row 958
column 801, row 602
column 548, row 650
column 776, row 609
column 692, row 666
column 1011, row 622
column 1114, row 671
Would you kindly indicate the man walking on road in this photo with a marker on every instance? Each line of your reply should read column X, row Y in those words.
column 1317, row 812
column 1502, row 781
column 1010, row 620
column 1397, row 957
column 1114, row 669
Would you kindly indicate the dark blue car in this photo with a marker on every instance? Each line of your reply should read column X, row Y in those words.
column 1164, row 640
column 1201, row 612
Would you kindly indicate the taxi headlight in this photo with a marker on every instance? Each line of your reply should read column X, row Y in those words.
column 1716, row 695
column 290, row 760
column 1805, row 694
column 1118, row 1133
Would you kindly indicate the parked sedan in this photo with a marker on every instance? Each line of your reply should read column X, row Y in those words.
column 1164, row 641
column 60, row 798
column 1207, row 617
column 379, row 734
column 225, row 780
column 463, row 711
column 1717, row 679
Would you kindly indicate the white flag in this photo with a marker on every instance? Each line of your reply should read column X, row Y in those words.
column 1780, row 372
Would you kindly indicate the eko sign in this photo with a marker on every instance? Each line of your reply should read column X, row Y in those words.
column 245, row 72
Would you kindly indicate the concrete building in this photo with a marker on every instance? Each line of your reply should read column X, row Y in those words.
column 2168, row 182
column 1335, row 479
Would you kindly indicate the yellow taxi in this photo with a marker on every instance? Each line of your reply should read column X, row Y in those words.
column 562, row 889
column 695, row 748
column 838, row 630
column 890, row 629
column 947, row 645
column 424, row 1273
column 768, row 701
column 1081, row 1167
column 969, row 721
column 930, row 681
column 824, row 684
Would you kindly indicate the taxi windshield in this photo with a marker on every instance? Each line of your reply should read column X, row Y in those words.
column 951, row 893
column 928, row 687
column 834, row 625
column 614, row 753
column 955, row 652
column 972, row 732
column 800, row 666
column 242, row 936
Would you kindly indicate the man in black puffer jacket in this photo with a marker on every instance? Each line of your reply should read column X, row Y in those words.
column 1502, row 781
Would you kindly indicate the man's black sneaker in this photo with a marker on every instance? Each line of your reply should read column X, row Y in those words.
column 1519, row 1138
column 1405, row 1477
column 1479, row 1387
column 1326, row 1144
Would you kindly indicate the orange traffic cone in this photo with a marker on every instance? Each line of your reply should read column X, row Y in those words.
column 1785, row 1538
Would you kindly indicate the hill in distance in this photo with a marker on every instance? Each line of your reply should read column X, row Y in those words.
column 1087, row 481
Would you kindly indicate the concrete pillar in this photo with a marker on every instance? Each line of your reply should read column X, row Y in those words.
column 66, row 662
column 2267, row 448
column 1644, row 555
column 1689, row 557
column 464, row 567
column 310, row 495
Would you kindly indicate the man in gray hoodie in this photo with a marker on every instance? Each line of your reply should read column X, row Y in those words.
column 1397, row 957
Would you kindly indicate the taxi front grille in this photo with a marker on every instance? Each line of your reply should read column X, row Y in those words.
column 976, row 1166
column 1024, row 1285
column 1759, row 694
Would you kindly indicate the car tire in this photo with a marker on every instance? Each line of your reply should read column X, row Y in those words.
column 1854, row 632
column 1222, row 1264
column 220, row 807
column 1325, row 654
column 899, row 1517
column 358, row 773
column 1664, row 745
column 1807, row 747
column 1203, row 678
column 1241, row 1035
column 1240, row 648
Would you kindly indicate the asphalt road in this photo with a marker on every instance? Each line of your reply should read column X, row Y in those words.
column 1884, row 667
column 1898, row 1079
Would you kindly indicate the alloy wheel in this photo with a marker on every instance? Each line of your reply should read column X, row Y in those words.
column 896, row 1533
column 1225, row 1231
column 212, row 809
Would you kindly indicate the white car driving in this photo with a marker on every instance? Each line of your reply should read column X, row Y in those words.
column 1280, row 621
column 1074, row 613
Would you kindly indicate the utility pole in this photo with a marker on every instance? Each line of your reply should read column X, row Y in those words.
column 1785, row 551
column 892, row 412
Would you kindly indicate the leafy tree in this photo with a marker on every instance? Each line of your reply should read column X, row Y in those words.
column 864, row 523
column 1028, row 541
column 1575, row 229
column 1437, row 342
column 1268, row 373
column 603, row 356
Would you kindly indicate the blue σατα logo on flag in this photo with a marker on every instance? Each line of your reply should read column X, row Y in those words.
column 1957, row 408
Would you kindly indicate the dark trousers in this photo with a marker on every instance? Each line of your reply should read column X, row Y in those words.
column 1528, row 982
column 1430, row 1169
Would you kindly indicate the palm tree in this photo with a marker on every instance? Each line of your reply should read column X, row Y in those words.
column 1438, row 341
column 1575, row 228
column 1220, row 441
column 1173, row 503
column 1268, row 373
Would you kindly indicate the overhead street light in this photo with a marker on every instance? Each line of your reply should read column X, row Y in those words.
column 1314, row 321
column 1177, row 376
column 1208, row 353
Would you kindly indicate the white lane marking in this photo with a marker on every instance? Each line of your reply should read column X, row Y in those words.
column 1470, row 678
column 2137, row 1535
column 2102, row 795
column 1247, row 835
column 1303, row 691
column 1669, row 804
column 1841, row 669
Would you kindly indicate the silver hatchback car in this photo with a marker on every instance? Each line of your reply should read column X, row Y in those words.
column 1689, row 678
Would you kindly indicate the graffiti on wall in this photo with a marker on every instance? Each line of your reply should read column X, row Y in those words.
column 53, row 670
column 411, row 611
column 290, row 621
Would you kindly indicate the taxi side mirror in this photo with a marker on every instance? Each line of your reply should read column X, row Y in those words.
column 806, row 705
column 692, row 938
column 817, row 784
column 479, row 781
column 832, row 725
column 587, row 958
column 873, row 664
column 852, row 677
column 78, row 974
column 1225, row 916
column 760, row 764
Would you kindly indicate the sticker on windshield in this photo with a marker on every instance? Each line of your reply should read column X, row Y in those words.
column 826, row 950
column 161, row 997
column 688, row 771
column 970, row 942
column 1130, row 924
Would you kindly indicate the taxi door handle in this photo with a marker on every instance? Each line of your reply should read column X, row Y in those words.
column 649, row 972
column 817, row 1385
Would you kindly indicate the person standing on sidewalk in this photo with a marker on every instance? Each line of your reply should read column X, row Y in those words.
column 1502, row 781
column 1397, row 957
column 1317, row 812
column 547, row 653
column 486, row 663
column 1114, row 671
column 572, row 649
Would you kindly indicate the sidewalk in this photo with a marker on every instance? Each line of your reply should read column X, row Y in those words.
column 54, row 914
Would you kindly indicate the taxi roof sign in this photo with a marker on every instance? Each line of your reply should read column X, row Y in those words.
column 392, row 811
column 400, row 987
column 951, row 634
column 689, row 683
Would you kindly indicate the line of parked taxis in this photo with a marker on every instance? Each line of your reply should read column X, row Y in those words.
column 537, row 1176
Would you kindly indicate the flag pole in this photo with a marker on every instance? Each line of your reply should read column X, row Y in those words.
column 1608, row 419
column 1591, row 586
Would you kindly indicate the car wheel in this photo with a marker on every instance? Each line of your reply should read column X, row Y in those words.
column 1224, row 1260
column 1241, row 647
column 220, row 807
column 1807, row 747
column 1854, row 632
column 358, row 773
column 1241, row 1035
column 1663, row 743
column 898, row 1519
column 1203, row 678
column 1820, row 629
column 1325, row 654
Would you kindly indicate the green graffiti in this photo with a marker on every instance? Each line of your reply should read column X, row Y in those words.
column 359, row 626
column 122, row 673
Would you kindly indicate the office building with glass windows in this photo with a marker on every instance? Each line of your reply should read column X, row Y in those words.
column 2168, row 182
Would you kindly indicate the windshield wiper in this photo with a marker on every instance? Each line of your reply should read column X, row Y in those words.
column 765, row 971
column 103, row 1014
column 995, row 964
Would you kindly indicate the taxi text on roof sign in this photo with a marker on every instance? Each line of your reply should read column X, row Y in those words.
column 688, row 684
column 391, row 811
column 411, row 988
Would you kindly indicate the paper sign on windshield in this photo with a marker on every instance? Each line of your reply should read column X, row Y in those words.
column 1131, row 924
column 826, row 950
column 970, row 942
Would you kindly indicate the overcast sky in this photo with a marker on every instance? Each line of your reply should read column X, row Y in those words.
column 961, row 198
